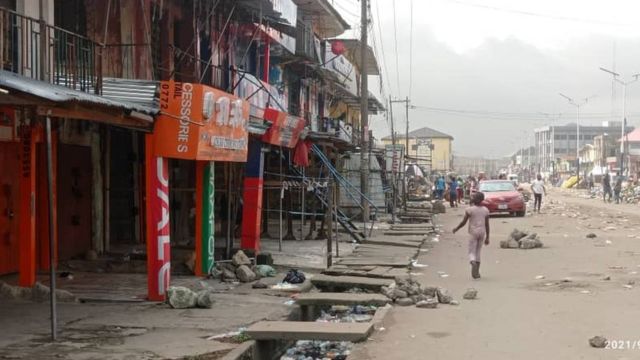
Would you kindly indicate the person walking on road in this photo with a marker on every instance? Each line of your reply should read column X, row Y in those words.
column 478, row 218
column 537, row 188
column 606, row 187
column 440, row 187
column 617, row 188
column 453, row 192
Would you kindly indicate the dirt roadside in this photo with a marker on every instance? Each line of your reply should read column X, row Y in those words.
column 517, row 316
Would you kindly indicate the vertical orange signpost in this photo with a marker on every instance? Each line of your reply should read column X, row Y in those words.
column 197, row 123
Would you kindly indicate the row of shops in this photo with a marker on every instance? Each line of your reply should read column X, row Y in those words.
column 182, row 145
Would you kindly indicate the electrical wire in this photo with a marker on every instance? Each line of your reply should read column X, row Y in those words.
column 540, row 15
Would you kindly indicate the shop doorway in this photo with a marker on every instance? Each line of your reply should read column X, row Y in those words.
column 9, row 203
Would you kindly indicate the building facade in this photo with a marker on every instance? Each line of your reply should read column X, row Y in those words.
column 166, row 117
column 556, row 145
column 429, row 148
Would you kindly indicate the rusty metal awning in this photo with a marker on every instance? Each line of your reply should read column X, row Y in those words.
column 59, row 101
column 330, row 22
column 352, row 100
column 353, row 47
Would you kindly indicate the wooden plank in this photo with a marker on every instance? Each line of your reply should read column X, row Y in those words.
column 326, row 298
column 303, row 330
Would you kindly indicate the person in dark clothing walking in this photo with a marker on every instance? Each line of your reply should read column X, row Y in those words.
column 617, row 188
column 606, row 187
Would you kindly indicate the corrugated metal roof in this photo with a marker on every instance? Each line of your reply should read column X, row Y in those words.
column 140, row 92
column 60, row 94
column 330, row 22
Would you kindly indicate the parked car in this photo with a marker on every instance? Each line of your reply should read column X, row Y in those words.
column 500, row 196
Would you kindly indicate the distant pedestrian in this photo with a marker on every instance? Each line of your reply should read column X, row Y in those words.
column 606, row 186
column 537, row 188
column 460, row 190
column 440, row 187
column 617, row 188
column 478, row 218
column 453, row 192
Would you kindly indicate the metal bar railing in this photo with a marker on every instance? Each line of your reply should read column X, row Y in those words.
column 73, row 60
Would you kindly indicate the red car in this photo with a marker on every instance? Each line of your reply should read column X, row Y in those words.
column 501, row 196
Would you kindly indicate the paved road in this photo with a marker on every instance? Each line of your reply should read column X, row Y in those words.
column 516, row 315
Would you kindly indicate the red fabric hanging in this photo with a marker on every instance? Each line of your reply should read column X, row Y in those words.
column 301, row 153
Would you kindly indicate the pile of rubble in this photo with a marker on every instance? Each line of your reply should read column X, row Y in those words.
column 180, row 297
column 38, row 293
column 631, row 194
column 241, row 269
column 310, row 349
column 521, row 240
column 408, row 292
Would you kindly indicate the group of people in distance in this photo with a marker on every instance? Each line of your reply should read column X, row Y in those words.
column 453, row 190
column 606, row 188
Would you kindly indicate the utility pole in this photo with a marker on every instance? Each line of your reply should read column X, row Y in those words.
column 406, row 146
column 624, row 112
column 394, row 186
column 364, row 115
column 572, row 102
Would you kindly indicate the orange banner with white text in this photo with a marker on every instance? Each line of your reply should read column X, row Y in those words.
column 198, row 122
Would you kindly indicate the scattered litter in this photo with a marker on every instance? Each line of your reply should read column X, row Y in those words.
column 284, row 286
column 540, row 277
column 227, row 334
column 608, row 242
column 585, row 292
column 627, row 286
column 414, row 263
column 607, row 278
column 289, row 302
column 548, row 284
column 313, row 349
column 444, row 275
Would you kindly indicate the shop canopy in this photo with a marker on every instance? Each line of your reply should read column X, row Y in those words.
column 59, row 101
column 352, row 53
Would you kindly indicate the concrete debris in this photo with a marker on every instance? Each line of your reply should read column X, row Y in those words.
column 229, row 275
column 598, row 342
column 259, row 285
column 430, row 303
column 430, row 291
column 244, row 274
column 443, row 296
column 405, row 301
column 205, row 299
column 521, row 240
column 470, row 294
column 180, row 297
column 454, row 302
column 517, row 235
column 38, row 293
column 240, row 258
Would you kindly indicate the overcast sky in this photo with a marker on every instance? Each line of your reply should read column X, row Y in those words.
column 484, row 71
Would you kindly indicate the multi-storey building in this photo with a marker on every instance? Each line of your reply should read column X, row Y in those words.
column 166, row 115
